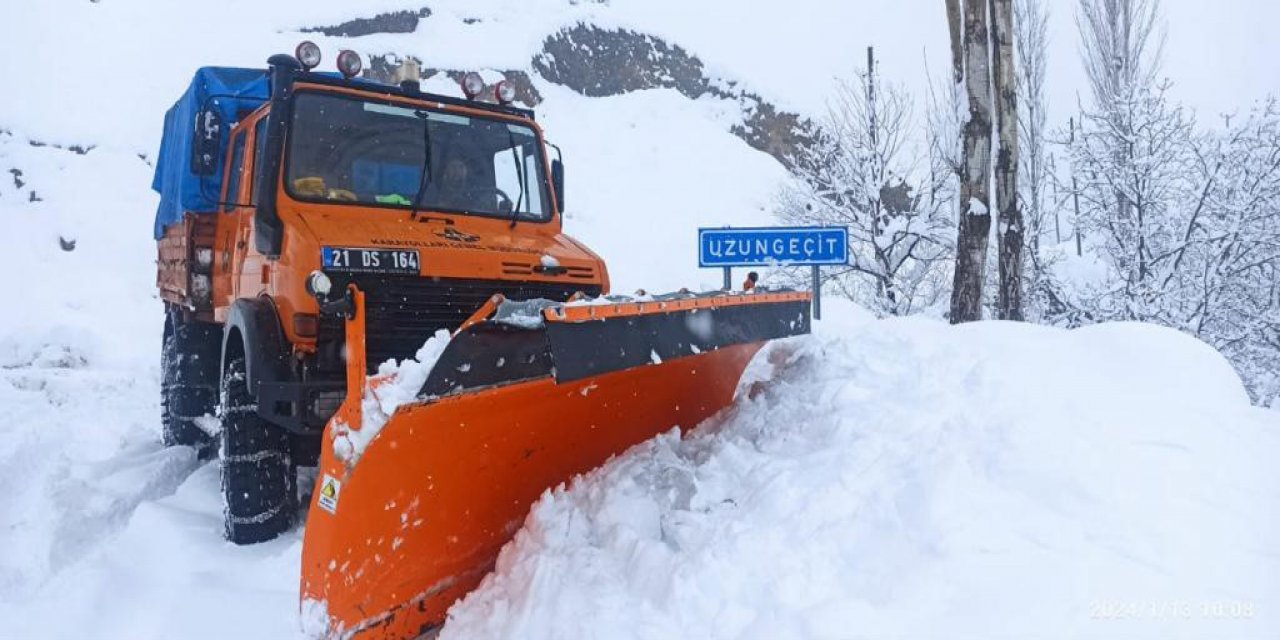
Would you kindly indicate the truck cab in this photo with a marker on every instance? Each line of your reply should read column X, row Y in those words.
column 282, row 187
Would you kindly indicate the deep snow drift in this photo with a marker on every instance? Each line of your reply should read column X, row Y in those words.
column 879, row 479
column 908, row 479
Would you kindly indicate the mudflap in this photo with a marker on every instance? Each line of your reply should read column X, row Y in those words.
column 393, row 541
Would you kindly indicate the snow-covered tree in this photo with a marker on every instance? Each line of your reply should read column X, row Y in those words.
column 1121, row 48
column 1011, row 228
column 864, row 173
column 946, row 112
column 1225, row 265
column 1186, row 220
column 1040, row 214
column 1031, row 32
column 1134, row 173
column 969, row 26
column 1131, row 155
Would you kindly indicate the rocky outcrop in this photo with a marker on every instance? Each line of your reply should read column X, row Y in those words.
column 394, row 22
column 606, row 62
column 597, row 62
column 780, row 134
column 74, row 148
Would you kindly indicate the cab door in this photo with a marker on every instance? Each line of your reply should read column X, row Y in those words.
column 227, row 257
column 245, row 273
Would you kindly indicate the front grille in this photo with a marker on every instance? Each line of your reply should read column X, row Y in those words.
column 528, row 269
column 401, row 312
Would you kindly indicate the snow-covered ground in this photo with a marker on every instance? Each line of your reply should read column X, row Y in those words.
column 879, row 479
column 907, row 479
column 899, row 479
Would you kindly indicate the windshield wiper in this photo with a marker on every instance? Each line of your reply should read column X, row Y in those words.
column 520, row 175
column 425, row 181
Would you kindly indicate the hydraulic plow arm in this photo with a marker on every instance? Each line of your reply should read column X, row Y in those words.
column 350, row 412
column 515, row 405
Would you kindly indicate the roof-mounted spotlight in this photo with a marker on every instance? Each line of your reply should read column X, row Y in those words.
column 505, row 92
column 472, row 85
column 308, row 53
column 349, row 63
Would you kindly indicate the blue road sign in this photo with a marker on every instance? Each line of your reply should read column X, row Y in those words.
column 763, row 246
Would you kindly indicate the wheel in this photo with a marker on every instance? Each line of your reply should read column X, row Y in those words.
column 189, row 380
column 259, row 478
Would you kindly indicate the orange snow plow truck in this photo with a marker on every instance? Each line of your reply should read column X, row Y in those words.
column 313, row 226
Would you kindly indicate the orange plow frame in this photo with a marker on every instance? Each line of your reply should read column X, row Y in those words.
column 419, row 520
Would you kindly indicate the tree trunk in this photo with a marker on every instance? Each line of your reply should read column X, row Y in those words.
column 975, row 170
column 957, row 35
column 1010, row 236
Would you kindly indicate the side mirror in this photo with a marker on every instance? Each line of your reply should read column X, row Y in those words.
column 557, row 182
column 206, row 142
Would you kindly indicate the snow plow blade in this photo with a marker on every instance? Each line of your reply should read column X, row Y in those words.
column 517, row 404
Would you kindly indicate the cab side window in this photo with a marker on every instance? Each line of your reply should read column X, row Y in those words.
column 515, row 172
column 232, row 198
column 259, row 139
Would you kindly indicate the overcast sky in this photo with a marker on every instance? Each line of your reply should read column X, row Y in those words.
column 1220, row 54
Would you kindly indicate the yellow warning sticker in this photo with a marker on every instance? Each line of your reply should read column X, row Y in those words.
column 330, row 489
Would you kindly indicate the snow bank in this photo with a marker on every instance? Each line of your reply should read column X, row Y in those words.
column 395, row 384
column 908, row 479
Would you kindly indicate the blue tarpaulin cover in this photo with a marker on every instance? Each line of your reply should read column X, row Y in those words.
column 229, row 92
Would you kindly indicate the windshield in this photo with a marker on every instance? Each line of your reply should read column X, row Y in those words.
column 345, row 149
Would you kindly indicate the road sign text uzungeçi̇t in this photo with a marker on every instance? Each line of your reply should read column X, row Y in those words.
column 794, row 246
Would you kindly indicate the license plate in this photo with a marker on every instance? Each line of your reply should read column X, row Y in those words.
column 370, row 260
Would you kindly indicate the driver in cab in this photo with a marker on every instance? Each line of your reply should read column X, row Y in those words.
column 455, row 190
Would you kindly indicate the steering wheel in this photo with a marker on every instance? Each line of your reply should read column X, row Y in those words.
column 502, row 196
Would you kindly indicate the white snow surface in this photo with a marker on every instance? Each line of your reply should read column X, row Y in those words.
column 906, row 479
column 880, row 479
column 977, row 207
column 395, row 384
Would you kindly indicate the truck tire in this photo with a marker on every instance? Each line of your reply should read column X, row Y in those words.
column 259, row 478
column 188, row 380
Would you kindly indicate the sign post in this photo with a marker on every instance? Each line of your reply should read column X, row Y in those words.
column 817, row 293
column 774, row 246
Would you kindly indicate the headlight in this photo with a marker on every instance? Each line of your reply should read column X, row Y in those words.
column 201, row 289
column 349, row 63
column 472, row 85
column 204, row 257
column 319, row 284
column 505, row 92
column 308, row 53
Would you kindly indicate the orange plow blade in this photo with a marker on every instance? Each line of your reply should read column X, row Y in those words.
column 393, row 540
